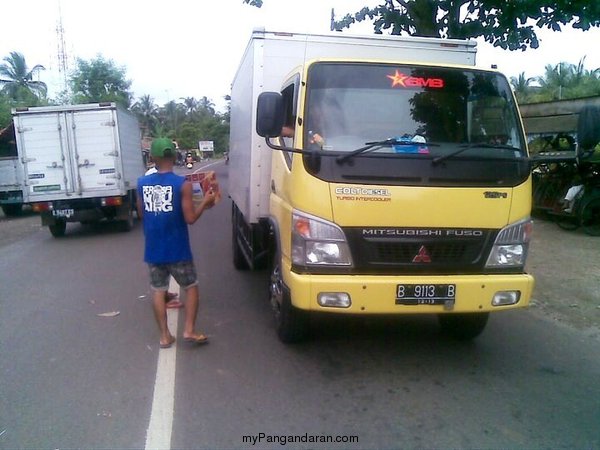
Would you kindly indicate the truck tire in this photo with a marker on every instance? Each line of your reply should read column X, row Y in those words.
column 291, row 322
column 463, row 327
column 239, row 260
column 568, row 223
column 590, row 216
column 127, row 224
column 12, row 210
column 58, row 229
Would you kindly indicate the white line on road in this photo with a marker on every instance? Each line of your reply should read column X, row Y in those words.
column 208, row 165
column 159, row 431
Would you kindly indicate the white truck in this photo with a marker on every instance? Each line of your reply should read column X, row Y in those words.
column 80, row 163
column 11, row 177
column 379, row 175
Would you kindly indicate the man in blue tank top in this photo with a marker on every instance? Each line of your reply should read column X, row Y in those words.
column 164, row 202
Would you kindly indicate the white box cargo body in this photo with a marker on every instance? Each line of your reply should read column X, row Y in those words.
column 11, row 175
column 79, row 162
column 270, row 56
column 78, row 151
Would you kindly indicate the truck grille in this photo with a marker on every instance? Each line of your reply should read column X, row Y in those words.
column 403, row 253
column 401, row 250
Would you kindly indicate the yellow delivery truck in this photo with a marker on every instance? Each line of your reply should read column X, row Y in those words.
column 379, row 175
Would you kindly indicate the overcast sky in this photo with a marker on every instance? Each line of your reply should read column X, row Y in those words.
column 186, row 48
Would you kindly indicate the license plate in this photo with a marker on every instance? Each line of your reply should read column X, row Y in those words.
column 63, row 213
column 425, row 294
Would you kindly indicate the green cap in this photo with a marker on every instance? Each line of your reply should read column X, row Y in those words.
column 162, row 148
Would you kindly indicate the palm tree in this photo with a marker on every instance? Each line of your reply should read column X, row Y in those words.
column 169, row 116
column 17, row 79
column 521, row 86
column 207, row 105
column 191, row 105
column 147, row 111
column 556, row 79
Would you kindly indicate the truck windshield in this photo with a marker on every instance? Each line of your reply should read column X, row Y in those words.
column 439, row 113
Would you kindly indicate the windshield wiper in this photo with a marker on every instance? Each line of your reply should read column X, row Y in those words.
column 387, row 142
column 464, row 147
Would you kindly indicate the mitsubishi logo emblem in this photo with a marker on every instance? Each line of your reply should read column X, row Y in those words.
column 422, row 256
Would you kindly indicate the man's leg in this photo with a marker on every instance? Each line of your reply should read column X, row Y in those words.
column 159, row 281
column 185, row 274
column 160, row 314
column 192, row 298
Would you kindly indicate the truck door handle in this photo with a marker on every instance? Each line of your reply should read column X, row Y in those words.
column 86, row 163
column 55, row 165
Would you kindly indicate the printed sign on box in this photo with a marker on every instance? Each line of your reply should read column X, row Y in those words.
column 202, row 182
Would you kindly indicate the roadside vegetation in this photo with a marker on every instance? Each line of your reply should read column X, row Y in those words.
column 186, row 120
column 509, row 25
column 560, row 82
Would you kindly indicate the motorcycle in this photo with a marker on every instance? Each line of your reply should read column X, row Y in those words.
column 189, row 161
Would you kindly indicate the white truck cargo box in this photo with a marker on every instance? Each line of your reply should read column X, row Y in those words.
column 11, row 175
column 270, row 56
column 80, row 163
column 11, row 184
column 9, row 178
column 78, row 151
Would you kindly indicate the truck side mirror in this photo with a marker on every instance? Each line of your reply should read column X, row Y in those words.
column 588, row 129
column 269, row 114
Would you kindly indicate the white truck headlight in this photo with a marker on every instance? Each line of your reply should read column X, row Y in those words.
column 317, row 242
column 511, row 246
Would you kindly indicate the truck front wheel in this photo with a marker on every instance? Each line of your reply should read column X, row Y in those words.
column 291, row 322
column 463, row 327
column 58, row 228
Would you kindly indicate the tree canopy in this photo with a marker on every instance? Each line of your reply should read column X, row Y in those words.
column 100, row 80
column 506, row 24
column 189, row 121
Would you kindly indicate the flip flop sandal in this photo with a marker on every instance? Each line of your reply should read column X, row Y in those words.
column 202, row 339
column 167, row 345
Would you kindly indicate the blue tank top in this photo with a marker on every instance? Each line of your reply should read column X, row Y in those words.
column 165, row 229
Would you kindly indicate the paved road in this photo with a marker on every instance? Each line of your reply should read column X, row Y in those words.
column 70, row 378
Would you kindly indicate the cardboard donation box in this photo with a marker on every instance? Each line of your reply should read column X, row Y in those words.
column 201, row 183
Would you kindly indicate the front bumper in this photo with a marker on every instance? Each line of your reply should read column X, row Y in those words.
column 376, row 294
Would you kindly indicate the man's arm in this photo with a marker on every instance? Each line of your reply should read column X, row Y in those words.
column 140, row 210
column 190, row 213
column 138, row 204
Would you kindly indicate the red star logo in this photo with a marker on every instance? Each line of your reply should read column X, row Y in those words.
column 397, row 79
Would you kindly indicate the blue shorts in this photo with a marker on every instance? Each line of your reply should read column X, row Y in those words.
column 183, row 272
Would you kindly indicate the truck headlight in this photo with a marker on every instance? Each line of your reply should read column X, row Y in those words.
column 317, row 242
column 511, row 245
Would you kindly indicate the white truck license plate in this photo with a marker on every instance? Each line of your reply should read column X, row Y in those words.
column 63, row 213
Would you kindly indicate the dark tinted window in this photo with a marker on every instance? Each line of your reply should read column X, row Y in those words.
column 350, row 104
